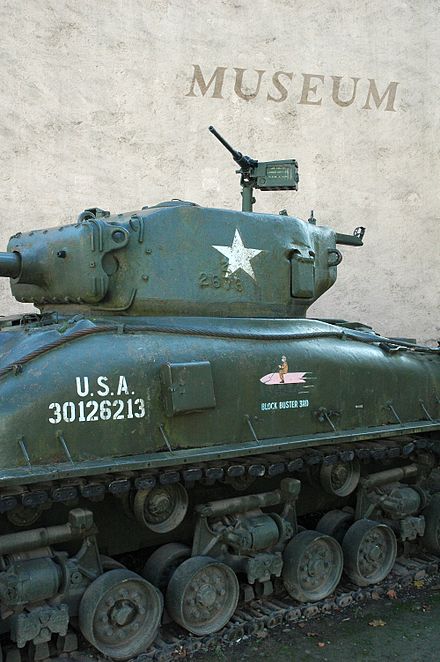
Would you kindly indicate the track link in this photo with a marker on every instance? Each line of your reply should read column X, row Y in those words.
column 257, row 615
column 252, row 619
column 264, row 466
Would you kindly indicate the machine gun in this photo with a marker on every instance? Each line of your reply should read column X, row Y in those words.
column 263, row 175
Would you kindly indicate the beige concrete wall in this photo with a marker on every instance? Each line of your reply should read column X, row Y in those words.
column 107, row 103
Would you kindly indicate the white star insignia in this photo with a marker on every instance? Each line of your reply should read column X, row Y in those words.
column 239, row 257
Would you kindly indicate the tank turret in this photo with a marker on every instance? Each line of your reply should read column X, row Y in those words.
column 177, row 258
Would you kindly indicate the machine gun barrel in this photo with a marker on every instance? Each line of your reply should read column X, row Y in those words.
column 10, row 265
column 245, row 162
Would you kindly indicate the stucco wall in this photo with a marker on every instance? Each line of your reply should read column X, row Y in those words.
column 107, row 104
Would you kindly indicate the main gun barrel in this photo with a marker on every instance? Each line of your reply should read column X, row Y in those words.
column 10, row 265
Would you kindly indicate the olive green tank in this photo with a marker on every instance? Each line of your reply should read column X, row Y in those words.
column 176, row 432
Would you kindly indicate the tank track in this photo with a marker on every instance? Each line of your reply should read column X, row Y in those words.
column 258, row 615
column 265, row 466
column 252, row 620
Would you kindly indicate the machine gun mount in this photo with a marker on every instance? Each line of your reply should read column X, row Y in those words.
column 263, row 175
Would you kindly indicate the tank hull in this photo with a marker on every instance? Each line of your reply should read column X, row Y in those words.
column 131, row 399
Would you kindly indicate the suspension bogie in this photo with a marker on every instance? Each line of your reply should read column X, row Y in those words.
column 43, row 590
column 39, row 587
column 241, row 545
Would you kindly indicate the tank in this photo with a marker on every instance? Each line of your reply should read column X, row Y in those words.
column 177, row 434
